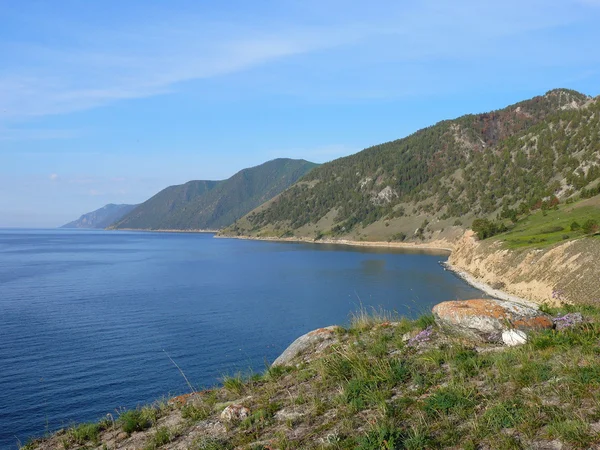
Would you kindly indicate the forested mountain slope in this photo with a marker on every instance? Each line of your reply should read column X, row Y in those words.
column 215, row 204
column 101, row 218
column 447, row 174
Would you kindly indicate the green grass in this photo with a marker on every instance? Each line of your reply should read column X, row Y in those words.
column 457, row 400
column 138, row 419
column 234, row 384
column 161, row 436
column 85, row 433
column 195, row 413
column 545, row 228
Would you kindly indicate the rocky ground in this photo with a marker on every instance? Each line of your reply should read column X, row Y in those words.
column 391, row 383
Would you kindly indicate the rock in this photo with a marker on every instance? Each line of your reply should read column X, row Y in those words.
column 547, row 445
column 235, row 413
column 595, row 427
column 285, row 414
column 122, row 436
column 322, row 336
column 513, row 338
column 486, row 319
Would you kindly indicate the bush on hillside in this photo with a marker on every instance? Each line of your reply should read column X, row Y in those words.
column 485, row 228
column 591, row 226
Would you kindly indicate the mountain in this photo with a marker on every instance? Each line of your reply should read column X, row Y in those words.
column 101, row 218
column 215, row 204
column 437, row 180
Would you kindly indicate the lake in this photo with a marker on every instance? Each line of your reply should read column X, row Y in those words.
column 89, row 319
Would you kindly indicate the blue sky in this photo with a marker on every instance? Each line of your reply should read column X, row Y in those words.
column 109, row 102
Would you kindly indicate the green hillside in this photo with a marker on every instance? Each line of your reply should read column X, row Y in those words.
column 215, row 204
column 444, row 176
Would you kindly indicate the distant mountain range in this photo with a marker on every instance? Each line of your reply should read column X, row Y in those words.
column 429, row 185
column 210, row 205
column 101, row 218
column 437, row 180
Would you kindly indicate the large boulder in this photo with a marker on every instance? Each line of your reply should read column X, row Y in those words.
column 487, row 319
column 316, row 340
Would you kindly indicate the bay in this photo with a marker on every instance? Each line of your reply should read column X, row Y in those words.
column 89, row 319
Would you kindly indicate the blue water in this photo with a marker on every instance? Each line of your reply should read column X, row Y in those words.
column 87, row 316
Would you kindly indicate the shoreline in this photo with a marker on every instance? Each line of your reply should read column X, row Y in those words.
column 443, row 247
column 147, row 230
column 439, row 247
column 487, row 289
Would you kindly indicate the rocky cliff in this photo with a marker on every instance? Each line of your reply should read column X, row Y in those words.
column 568, row 272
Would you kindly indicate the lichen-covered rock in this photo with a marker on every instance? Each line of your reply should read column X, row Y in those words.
column 235, row 413
column 486, row 319
column 323, row 337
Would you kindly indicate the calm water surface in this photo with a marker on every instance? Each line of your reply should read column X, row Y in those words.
column 85, row 315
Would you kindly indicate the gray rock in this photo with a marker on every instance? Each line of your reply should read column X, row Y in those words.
column 486, row 319
column 235, row 413
column 323, row 337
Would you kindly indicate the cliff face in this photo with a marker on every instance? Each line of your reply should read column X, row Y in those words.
column 567, row 272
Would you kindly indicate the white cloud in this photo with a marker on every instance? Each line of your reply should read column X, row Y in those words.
column 53, row 177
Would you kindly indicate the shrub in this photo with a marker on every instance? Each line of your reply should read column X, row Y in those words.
column 590, row 226
column 575, row 226
column 486, row 228
column 398, row 237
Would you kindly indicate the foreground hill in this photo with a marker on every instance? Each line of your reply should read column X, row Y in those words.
column 198, row 205
column 382, row 384
column 101, row 218
column 431, row 183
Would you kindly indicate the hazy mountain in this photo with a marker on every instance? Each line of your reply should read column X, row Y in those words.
column 214, row 204
column 101, row 218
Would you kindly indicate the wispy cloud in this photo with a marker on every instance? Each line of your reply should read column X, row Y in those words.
column 145, row 61
column 93, row 67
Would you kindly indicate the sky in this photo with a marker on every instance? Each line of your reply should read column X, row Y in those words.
column 112, row 101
